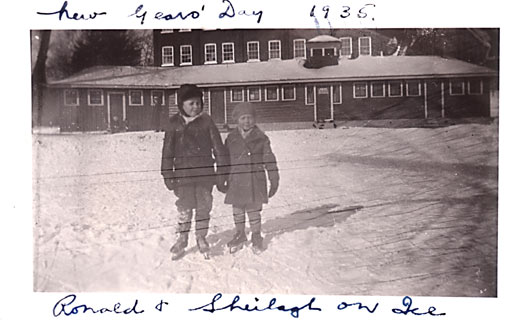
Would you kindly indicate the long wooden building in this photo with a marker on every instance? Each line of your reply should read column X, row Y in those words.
column 291, row 75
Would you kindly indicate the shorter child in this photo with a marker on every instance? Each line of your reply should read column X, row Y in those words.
column 250, row 157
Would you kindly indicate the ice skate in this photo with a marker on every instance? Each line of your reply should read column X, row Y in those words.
column 238, row 242
column 203, row 246
column 258, row 243
column 178, row 249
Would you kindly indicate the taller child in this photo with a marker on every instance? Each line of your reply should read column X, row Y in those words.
column 192, row 144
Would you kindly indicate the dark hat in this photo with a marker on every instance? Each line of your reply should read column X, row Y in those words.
column 243, row 108
column 187, row 91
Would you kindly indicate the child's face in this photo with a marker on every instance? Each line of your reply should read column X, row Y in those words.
column 192, row 106
column 246, row 122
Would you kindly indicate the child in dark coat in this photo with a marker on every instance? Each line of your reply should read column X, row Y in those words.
column 250, row 157
column 192, row 144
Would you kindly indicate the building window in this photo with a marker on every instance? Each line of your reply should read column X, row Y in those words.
column 365, row 46
column 228, row 52
column 136, row 97
column 289, row 93
column 210, row 53
column 299, row 48
column 346, row 46
column 167, row 56
column 166, row 30
column 71, row 97
column 237, row 94
column 309, row 95
column 186, row 55
column 157, row 94
column 95, row 97
column 413, row 88
column 206, row 98
column 395, row 89
column 253, row 94
column 456, row 87
column 172, row 98
column 275, row 49
column 253, row 51
column 336, row 94
column 377, row 89
column 271, row 93
column 360, row 90
column 475, row 87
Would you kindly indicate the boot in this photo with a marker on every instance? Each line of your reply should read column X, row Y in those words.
column 258, row 243
column 177, row 249
column 203, row 246
column 237, row 242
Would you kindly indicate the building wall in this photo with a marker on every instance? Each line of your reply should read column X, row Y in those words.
column 435, row 100
column 198, row 38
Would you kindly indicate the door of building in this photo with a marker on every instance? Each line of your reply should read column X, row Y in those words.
column 323, row 101
column 116, row 111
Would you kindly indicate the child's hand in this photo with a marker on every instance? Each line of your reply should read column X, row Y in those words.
column 273, row 188
column 170, row 183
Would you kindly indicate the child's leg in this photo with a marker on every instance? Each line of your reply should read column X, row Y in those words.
column 185, row 204
column 239, row 216
column 255, row 219
column 204, row 203
column 240, row 238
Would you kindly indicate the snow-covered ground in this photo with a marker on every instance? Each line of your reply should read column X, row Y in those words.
column 360, row 211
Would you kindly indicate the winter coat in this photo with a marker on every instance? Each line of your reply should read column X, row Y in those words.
column 190, row 150
column 249, row 160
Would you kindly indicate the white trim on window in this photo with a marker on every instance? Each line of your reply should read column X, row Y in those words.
column 271, row 51
column 481, row 88
column 365, row 84
column 89, row 98
column 294, row 92
column 161, row 92
column 349, row 54
column 372, row 89
column 206, row 46
column 75, row 104
column 232, row 94
column 400, row 83
column 307, row 102
column 456, row 93
column 259, row 94
column 164, row 56
column 369, row 46
column 277, row 93
column 130, row 102
column 304, row 48
column 207, row 102
column 339, row 86
column 232, row 60
column 257, row 51
column 184, row 30
column 418, row 84
column 166, row 30
column 186, row 57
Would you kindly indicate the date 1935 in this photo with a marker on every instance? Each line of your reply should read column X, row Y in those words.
column 345, row 12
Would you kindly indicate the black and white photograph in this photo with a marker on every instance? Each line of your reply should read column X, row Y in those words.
column 332, row 161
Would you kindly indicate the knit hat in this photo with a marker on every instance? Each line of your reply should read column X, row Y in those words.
column 243, row 108
column 187, row 91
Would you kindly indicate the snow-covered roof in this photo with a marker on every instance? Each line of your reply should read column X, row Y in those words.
column 281, row 71
column 324, row 38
